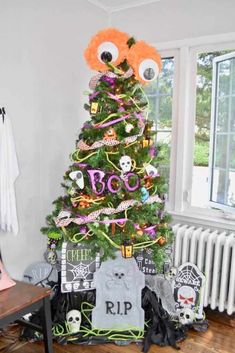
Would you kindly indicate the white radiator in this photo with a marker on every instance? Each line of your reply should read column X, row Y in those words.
column 214, row 254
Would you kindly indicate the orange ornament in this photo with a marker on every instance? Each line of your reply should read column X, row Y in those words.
column 145, row 61
column 161, row 241
column 110, row 134
column 85, row 202
column 109, row 45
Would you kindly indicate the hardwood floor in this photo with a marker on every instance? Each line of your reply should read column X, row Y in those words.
column 220, row 338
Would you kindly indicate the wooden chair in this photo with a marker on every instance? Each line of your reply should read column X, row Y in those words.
column 22, row 299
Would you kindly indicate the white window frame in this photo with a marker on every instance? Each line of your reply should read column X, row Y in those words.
column 214, row 103
column 183, row 129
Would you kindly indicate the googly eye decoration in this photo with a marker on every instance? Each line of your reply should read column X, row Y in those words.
column 145, row 61
column 148, row 70
column 107, row 52
column 107, row 46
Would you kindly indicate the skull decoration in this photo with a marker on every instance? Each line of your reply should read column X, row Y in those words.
column 73, row 318
column 186, row 316
column 171, row 274
column 118, row 277
column 125, row 163
column 51, row 257
column 186, row 296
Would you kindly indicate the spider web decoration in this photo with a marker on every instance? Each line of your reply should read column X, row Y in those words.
column 189, row 287
column 78, row 266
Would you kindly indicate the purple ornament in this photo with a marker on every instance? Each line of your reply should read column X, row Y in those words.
column 110, row 80
column 83, row 230
column 153, row 151
column 109, row 183
column 96, row 177
column 86, row 126
column 126, row 182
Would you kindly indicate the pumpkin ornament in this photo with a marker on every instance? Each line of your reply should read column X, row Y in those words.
column 110, row 134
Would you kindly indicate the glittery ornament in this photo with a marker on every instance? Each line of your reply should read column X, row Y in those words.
column 94, row 108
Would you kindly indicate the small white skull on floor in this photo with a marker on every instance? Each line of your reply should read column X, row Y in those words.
column 73, row 318
column 186, row 316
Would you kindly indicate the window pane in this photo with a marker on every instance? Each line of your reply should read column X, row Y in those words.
column 223, row 153
column 225, row 122
column 160, row 98
column 223, row 112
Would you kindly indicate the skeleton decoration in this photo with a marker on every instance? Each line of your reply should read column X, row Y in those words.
column 74, row 318
column 118, row 285
column 125, row 164
column 186, row 316
column 77, row 176
column 188, row 289
column 51, row 257
column 171, row 274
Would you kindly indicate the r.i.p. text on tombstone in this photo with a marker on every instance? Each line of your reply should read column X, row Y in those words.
column 118, row 285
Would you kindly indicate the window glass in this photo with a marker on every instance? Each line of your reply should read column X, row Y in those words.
column 160, row 95
column 225, row 122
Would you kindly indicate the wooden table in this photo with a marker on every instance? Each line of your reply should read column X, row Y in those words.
column 23, row 299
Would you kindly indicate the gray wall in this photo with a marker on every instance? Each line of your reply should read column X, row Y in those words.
column 42, row 79
column 169, row 20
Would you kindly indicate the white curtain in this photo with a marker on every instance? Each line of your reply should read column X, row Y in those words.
column 8, row 173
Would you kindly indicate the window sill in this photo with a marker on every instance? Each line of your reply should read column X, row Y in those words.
column 210, row 219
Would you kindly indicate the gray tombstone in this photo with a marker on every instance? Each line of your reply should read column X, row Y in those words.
column 118, row 286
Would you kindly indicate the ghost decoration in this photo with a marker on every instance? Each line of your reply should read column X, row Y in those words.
column 73, row 319
column 151, row 170
column 186, row 316
column 128, row 128
column 125, row 164
column 77, row 176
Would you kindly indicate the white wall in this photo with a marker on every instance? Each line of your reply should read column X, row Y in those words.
column 42, row 79
column 169, row 20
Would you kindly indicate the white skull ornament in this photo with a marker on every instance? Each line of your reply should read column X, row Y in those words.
column 186, row 316
column 125, row 163
column 73, row 318
column 186, row 296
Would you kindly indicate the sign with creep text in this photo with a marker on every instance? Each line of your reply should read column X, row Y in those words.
column 118, row 285
column 77, row 267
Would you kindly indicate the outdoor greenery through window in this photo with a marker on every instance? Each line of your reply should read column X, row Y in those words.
column 160, row 94
column 218, row 187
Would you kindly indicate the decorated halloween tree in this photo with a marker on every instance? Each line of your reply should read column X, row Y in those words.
column 110, row 224
column 114, row 195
